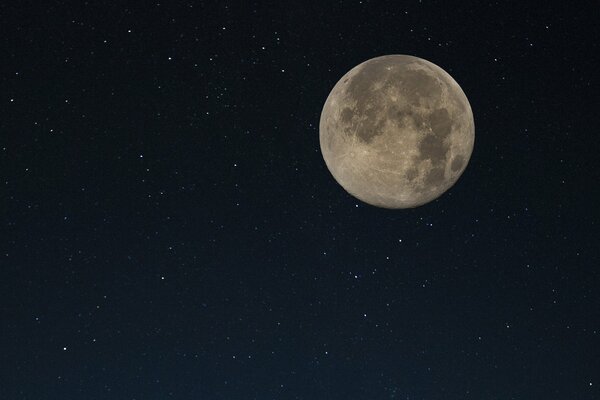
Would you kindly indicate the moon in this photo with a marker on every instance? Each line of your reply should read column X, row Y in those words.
column 396, row 131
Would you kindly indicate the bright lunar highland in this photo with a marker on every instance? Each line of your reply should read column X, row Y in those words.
column 396, row 131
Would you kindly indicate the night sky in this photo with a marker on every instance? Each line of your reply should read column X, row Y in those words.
column 169, row 229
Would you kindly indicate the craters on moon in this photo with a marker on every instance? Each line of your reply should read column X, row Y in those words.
column 396, row 131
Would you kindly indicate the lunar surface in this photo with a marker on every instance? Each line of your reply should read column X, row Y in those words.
column 396, row 131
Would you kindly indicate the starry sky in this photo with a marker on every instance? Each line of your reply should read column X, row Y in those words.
column 169, row 229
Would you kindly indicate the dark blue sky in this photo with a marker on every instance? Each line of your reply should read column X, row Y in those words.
column 169, row 229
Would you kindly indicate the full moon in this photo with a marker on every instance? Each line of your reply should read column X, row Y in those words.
column 396, row 131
